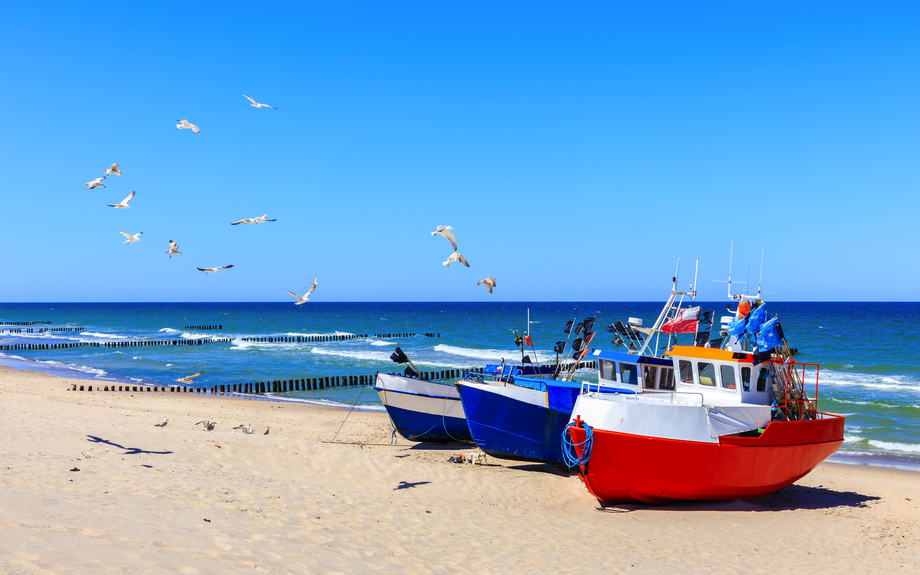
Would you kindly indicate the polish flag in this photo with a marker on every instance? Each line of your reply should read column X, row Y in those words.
column 685, row 322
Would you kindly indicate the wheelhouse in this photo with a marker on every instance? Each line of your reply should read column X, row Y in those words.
column 723, row 375
column 631, row 373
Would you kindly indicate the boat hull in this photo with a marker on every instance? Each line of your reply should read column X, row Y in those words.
column 513, row 427
column 423, row 410
column 624, row 467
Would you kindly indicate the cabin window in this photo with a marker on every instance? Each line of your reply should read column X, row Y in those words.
column 649, row 373
column 763, row 378
column 666, row 379
column 629, row 374
column 707, row 374
column 746, row 378
column 728, row 376
column 686, row 372
column 608, row 370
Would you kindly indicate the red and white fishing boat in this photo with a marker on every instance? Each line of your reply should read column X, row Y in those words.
column 733, row 424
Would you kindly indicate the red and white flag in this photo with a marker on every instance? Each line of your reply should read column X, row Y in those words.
column 685, row 322
column 527, row 341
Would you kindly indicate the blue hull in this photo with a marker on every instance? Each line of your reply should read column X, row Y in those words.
column 418, row 426
column 512, row 429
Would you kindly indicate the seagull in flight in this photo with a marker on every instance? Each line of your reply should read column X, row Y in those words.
column 306, row 297
column 124, row 202
column 214, row 270
column 456, row 257
column 97, row 183
column 445, row 231
column 113, row 171
column 189, row 378
column 131, row 239
column 258, row 105
column 247, row 429
column 173, row 249
column 489, row 283
column 208, row 425
column 258, row 220
column 185, row 124
column 163, row 423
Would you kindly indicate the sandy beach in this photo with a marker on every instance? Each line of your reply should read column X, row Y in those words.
column 180, row 499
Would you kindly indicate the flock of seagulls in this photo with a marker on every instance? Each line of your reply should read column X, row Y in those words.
column 457, row 257
column 208, row 425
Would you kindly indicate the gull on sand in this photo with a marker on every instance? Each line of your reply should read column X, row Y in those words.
column 131, row 239
column 258, row 220
column 247, row 429
column 266, row 430
column 305, row 297
column 258, row 105
column 124, row 202
column 162, row 423
column 208, row 425
column 113, row 171
column 489, row 283
column 456, row 257
column 214, row 270
column 189, row 378
column 445, row 231
column 186, row 125
column 173, row 249
column 97, row 183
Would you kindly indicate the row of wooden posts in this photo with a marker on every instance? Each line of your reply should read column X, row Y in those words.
column 25, row 322
column 392, row 335
column 164, row 342
column 204, row 327
column 43, row 330
column 303, row 338
column 39, row 346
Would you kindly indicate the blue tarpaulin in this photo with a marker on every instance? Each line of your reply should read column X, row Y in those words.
column 770, row 335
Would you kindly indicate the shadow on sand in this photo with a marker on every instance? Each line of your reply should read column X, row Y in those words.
column 128, row 450
column 789, row 498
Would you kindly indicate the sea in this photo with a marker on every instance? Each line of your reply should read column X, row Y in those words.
column 868, row 353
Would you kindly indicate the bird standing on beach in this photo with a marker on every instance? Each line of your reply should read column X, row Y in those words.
column 306, row 297
column 208, row 425
column 247, row 429
column 266, row 430
column 489, row 283
column 173, row 249
column 113, row 171
column 445, row 231
column 189, row 378
column 124, row 203
column 131, row 239
column 97, row 183
column 186, row 125
column 214, row 270
column 456, row 257
column 258, row 220
column 256, row 104
column 162, row 423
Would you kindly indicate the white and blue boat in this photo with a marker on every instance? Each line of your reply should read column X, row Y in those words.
column 422, row 410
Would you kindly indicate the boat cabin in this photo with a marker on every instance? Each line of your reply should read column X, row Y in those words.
column 631, row 373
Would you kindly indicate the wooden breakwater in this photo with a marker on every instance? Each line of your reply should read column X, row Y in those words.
column 303, row 338
column 40, row 346
column 43, row 330
column 2, row 322
column 392, row 335
column 141, row 343
column 204, row 327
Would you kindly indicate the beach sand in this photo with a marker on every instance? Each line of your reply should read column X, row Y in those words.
column 179, row 499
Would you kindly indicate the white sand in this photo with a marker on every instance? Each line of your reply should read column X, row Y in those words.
column 290, row 503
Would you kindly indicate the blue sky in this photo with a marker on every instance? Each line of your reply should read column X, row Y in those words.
column 576, row 150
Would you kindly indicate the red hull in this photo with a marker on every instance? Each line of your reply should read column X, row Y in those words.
column 626, row 467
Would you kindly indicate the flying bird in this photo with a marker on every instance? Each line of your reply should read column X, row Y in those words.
column 258, row 220
column 208, row 425
column 131, row 239
column 124, row 202
column 214, row 270
column 247, row 429
column 306, row 297
column 489, row 283
column 189, row 378
column 97, row 183
column 163, row 423
column 185, row 124
column 456, row 257
column 173, row 249
column 258, row 105
column 445, row 231
column 113, row 171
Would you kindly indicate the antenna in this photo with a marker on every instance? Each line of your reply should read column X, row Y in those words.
column 676, row 273
column 760, row 279
column 695, row 274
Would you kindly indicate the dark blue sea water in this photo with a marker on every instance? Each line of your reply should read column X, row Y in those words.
column 868, row 354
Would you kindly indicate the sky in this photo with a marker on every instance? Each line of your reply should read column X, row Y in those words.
column 577, row 149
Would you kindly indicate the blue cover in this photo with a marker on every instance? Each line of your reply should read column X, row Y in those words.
column 756, row 319
column 769, row 336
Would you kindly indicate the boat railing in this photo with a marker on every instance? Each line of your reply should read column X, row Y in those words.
column 671, row 393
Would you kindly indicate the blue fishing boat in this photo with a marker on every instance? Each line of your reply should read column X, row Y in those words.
column 422, row 410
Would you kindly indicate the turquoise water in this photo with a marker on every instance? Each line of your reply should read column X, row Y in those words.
column 869, row 359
